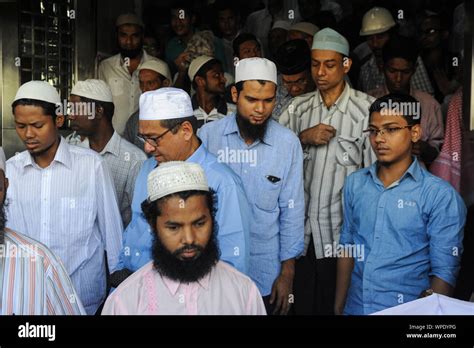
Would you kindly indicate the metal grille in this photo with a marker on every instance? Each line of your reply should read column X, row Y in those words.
column 47, row 42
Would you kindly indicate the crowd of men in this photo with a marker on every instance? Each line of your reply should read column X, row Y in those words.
column 250, row 171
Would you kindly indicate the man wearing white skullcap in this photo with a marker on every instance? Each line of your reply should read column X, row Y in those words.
column 121, row 70
column 63, row 195
column 152, row 75
column 207, row 78
column 253, row 144
column 94, row 126
column 329, row 123
column 179, row 209
column 24, row 292
column 167, row 127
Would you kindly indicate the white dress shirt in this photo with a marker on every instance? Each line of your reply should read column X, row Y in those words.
column 71, row 207
column 125, row 87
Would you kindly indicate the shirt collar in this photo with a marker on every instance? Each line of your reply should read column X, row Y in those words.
column 232, row 127
column 341, row 102
column 62, row 156
column 198, row 156
column 221, row 105
column 174, row 285
column 113, row 146
column 414, row 171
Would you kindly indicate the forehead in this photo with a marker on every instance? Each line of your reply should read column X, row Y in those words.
column 255, row 89
column 177, row 209
column 325, row 55
column 399, row 63
column 74, row 98
column 150, row 127
column 225, row 13
column 293, row 76
column 30, row 112
column 248, row 44
column 147, row 73
column 129, row 29
column 381, row 118
column 217, row 67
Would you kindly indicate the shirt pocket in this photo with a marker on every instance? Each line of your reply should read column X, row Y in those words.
column 117, row 86
column 348, row 151
column 77, row 214
column 267, row 193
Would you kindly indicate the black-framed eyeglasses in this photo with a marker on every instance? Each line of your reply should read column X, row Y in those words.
column 372, row 132
column 154, row 141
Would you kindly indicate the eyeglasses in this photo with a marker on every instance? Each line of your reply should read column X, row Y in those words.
column 154, row 141
column 300, row 83
column 382, row 131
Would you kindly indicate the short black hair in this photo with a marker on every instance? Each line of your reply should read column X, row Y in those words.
column 152, row 210
column 408, row 106
column 239, row 40
column 49, row 109
column 174, row 122
column 222, row 5
column 400, row 47
column 108, row 107
column 204, row 69
column 240, row 85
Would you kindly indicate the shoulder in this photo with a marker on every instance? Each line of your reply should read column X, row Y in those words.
column 233, row 277
column 27, row 246
column 361, row 98
column 128, row 147
column 217, row 125
column 282, row 136
column 301, row 103
column 111, row 61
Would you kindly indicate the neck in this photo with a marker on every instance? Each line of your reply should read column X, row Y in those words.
column 388, row 173
column 44, row 159
column 186, row 37
column 206, row 100
column 191, row 149
column 330, row 96
column 134, row 63
column 100, row 139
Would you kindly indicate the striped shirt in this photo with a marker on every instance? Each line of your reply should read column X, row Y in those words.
column 326, row 166
column 33, row 280
column 371, row 77
column 71, row 207
column 124, row 161
column 221, row 110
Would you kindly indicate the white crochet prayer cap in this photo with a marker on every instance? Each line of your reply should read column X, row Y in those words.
column 175, row 176
column 157, row 65
column 305, row 27
column 38, row 90
column 255, row 69
column 280, row 24
column 165, row 104
column 93, row 89
column 331, row 40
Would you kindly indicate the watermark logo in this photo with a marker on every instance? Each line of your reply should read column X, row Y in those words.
column 391, row 108
column 79, row 109
column 37, row 331
column 227, row 155
column 356, row 251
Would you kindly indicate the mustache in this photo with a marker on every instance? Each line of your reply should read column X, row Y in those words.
column 188, row 247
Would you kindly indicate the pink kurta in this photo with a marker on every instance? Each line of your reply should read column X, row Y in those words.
column 224, row 291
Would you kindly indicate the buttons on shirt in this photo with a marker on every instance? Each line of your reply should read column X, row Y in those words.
column 137, row 254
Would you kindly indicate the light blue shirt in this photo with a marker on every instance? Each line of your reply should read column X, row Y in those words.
column 409, row 231
column 232, row 215
column 277, row 223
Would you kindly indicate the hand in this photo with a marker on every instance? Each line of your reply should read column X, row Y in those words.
column 182, row 61
column 338, row 309
column 281, row 290
column 317, row 135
